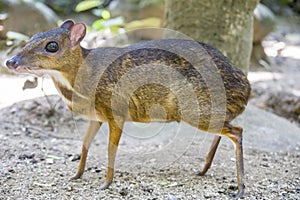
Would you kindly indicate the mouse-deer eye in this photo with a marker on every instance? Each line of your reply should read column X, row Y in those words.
column 52, row 47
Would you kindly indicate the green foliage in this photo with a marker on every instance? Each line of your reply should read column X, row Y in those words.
column 113, row 24
column 105, row 14
column 63, row 7
column 87, row 5
column 105, row 21
column 285, row 2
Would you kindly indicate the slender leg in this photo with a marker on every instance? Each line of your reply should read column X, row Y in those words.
column 89, row 135
column 210, row 155
column 114, row 138
column 235, row 134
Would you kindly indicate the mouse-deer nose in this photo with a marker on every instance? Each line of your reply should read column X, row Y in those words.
column 12, row 63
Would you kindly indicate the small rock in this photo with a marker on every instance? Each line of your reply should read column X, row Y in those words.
column 13, row 110
column 90, row 168
column 147, row 188
column 221, row 191
column 42, row 158
column 33, row 161
column 50, row 161
column 172, row 197
column 75, row 158
column 69, row 188
column 123, row 191
column 36, row 135
column 26, row 156
column 18, row 133
column 26, row 131
column 232, row 187
column 173, row 184
column 265, row 165
column 11, row 170
column 209, row 195
column 69, row 155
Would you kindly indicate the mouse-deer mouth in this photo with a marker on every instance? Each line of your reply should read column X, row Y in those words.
column 28, row 70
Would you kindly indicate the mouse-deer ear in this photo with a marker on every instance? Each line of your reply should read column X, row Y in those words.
column 67, row 24
column 77, row 33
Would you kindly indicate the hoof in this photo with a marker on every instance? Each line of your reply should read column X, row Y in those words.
column 199, row 173
column 240, row 194
column 77, row 176
column 105, row 185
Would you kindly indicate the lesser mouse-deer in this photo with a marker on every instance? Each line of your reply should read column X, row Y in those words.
column 116, row 85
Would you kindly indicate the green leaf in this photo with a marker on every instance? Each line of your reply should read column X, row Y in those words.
column 98, row 24
column 105, row 14
column 118, row 21
column 87, row 4
column 164, row 182
column 55, row 157
column 114, row 29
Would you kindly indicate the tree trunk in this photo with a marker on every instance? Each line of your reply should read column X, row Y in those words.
column 224, row 24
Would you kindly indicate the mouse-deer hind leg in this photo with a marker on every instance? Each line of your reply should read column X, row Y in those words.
column 210, row 155
column 89, row 135
column 235, row 134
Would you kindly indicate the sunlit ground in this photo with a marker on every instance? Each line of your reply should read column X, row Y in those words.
column 11, row 89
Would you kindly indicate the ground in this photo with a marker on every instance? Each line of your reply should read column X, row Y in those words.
column 40, row 145
column 40, row 150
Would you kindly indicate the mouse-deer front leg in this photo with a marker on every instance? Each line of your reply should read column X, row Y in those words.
column 89, row 135
column 115, row 132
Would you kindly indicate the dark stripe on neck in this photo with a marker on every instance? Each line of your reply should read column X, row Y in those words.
column 65, row 92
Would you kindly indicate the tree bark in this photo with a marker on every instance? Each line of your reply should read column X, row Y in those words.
column 224, row 24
